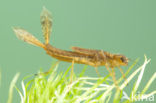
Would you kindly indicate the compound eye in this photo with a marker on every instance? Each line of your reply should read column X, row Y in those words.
column 122, row 59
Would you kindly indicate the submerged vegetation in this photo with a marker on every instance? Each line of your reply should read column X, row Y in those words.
column 57, row 88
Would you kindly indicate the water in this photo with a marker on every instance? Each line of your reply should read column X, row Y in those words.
column 126, row 27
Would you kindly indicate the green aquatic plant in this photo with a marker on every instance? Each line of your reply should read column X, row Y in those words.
column 12, row 85
column 56, row 87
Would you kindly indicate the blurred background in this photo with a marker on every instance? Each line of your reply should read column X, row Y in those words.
column 116, row 26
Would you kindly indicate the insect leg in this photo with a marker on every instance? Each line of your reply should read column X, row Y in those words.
column 72, row 71
column 122, row 73
column 49, row 71
column 97, row 72
column 112, row 73
column 109, row 70
column 114, row 79
column 96, row 59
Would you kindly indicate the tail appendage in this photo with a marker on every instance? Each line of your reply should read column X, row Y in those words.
column 46, row 23
column 27, row 37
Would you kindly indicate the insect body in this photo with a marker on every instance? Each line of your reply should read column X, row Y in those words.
column 94, row 58
column 78, row 55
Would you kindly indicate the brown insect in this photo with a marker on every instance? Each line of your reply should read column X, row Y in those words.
column 91, row 57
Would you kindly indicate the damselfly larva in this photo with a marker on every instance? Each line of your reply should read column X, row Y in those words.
column 78, row 55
